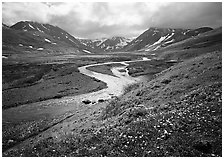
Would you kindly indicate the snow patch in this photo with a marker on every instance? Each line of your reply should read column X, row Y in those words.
column 87, row 51
column 39, row 49
column 74, row 42
column 31, row 26
column 44, row 27
column 170, row 36
column 47, row 40
column 39, row 30
column 154, row 33
column 169, row 41
column 160, row 40
column 109, row 47
column 186, row 32
column 102, row 46
column 101, row 41
column 82, row 42
column 4, row 57
column 145, row 58
column 122, row 43
column 157, row 47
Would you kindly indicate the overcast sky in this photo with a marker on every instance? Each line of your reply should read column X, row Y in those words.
column 107, row 19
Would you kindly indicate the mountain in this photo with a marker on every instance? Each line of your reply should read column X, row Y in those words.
column 155, row 38
column 107, row 44
column 93, row 43
column 33, row 36
column 206, row 39
column 5, row 26
column 27, row 36
column 115, row 43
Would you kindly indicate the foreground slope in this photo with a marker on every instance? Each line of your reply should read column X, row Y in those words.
column 178, row 113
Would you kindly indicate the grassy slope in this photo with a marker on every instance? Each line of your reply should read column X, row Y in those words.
column 36, row 82
column 178, row 113
column 148, row 68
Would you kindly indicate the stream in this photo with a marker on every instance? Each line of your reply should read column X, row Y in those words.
column 115, row 85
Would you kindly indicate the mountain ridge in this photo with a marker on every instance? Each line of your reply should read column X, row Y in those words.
column 38, row 37
column 154, row 38
column 46, row 36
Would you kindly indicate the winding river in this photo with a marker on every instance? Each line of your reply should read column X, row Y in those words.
column 115, row 84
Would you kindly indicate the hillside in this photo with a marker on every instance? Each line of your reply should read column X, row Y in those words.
column 155, row 38
column 27, row 36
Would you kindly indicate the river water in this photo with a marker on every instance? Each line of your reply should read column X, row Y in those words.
column 115, row 85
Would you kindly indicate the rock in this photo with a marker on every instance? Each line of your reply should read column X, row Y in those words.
column 86, row 101
column 10, row 141
column 138, row 111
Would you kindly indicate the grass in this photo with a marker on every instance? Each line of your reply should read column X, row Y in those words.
column 148, row 67
column 178, row 113
column 28, row 83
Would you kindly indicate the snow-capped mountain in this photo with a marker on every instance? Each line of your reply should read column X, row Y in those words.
column 115, row 43
column 107, row 44
column 27, row 36
column 93, row 43
column 155, row 38
column 44, row 37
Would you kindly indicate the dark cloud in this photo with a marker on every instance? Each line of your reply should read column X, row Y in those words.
column 102, row 19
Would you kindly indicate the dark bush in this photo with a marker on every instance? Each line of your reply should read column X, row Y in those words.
column 86, row 101
column 166, row 81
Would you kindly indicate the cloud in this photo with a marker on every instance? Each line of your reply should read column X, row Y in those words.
column 103, row 19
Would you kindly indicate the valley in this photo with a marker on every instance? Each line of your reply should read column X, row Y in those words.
column 158, row 94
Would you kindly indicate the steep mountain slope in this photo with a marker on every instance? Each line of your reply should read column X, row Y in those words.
column 155, row 38
column 192, row 47
column 38, row 37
